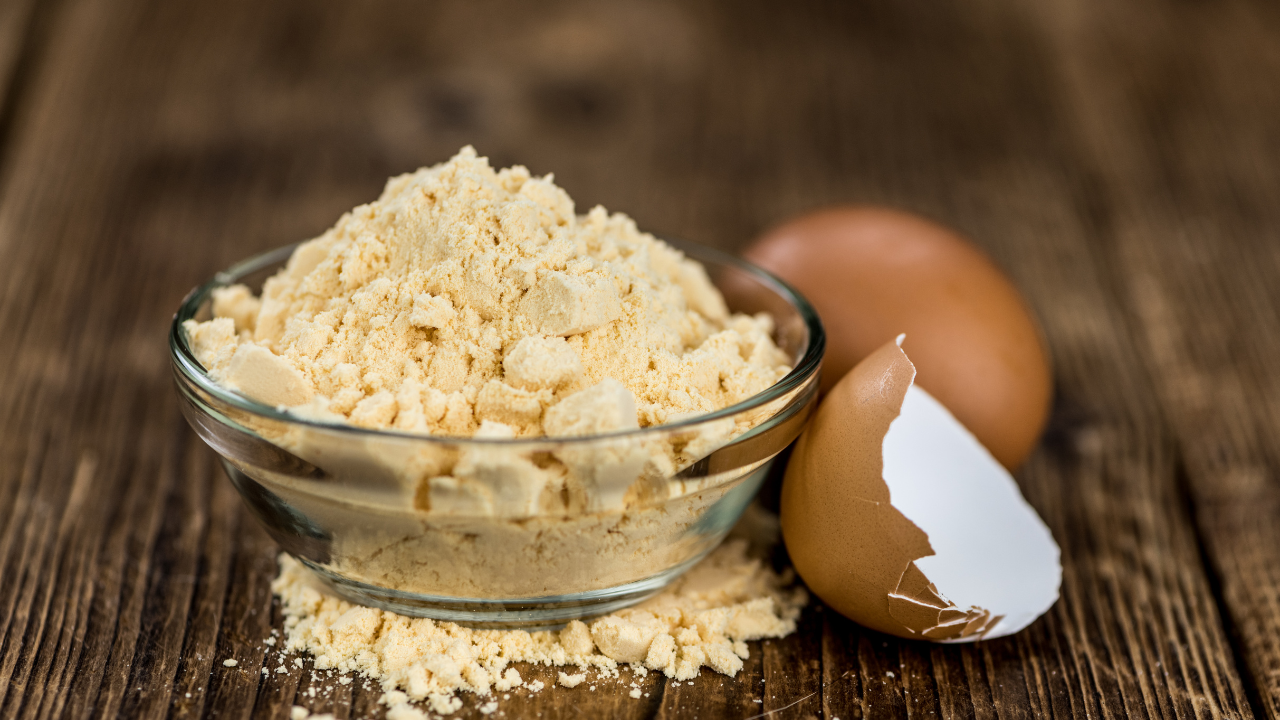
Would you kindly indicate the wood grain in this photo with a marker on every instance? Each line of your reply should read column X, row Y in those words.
column 24, row 28
column 1185, row 149
column 1119, row 160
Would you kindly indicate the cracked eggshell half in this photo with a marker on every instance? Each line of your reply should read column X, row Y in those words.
column 897, row 517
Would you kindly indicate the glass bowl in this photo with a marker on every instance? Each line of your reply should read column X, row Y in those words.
column 394, row 520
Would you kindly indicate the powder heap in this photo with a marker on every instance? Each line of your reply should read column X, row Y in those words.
column 703, row 619
column 464, row 295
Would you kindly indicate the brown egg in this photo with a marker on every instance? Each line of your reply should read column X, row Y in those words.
column 873, row 273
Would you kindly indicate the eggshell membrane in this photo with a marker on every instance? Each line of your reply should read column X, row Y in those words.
column 873, row 273
column 880, row 461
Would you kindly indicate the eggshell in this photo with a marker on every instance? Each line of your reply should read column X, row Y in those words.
column 897, row 517
column 873, row 273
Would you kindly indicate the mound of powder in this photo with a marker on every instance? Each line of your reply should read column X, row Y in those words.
column 703, row 619
column 465, row 294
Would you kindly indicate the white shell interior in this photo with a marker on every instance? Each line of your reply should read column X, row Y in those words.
column 991, row 548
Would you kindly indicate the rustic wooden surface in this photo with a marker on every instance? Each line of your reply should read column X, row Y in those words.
column 1120, row 160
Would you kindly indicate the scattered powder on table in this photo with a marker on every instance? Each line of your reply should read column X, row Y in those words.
column 703, row 619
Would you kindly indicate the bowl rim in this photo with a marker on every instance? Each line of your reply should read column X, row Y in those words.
column 804, row 370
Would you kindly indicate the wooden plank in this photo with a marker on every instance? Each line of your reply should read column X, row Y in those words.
column 190, row 687
column 24, row 26
column 1142, row 635
column 172, row 581
column 62, row 597
column 164, row 140
column 27, row 626
column 1182, row 138
column 277, row 691
column 233, row 691
column 15, row 549
column 793, row 671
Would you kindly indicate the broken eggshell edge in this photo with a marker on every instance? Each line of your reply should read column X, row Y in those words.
column 897, row 517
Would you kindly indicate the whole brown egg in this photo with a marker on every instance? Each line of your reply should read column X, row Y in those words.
column 873, row 273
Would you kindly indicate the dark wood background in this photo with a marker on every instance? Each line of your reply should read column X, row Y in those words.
column 1120, row 159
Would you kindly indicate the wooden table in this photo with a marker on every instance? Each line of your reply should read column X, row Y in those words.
column 1120, row 159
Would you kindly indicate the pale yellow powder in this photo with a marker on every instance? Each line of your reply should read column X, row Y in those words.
column 704, row 619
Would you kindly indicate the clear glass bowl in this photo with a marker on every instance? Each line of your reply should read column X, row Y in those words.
column 363, row 508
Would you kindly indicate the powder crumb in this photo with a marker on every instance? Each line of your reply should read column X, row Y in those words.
column 572, row 681
column 393, row 697
column 297, row 712
column 443, row 704
column 510, row 678
column 399, row 707
column 636, row 693
column 405, row 712
column 270, row 642
column 576, row 638
column 535, row 686
column 489, row 708
column 229, row 663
